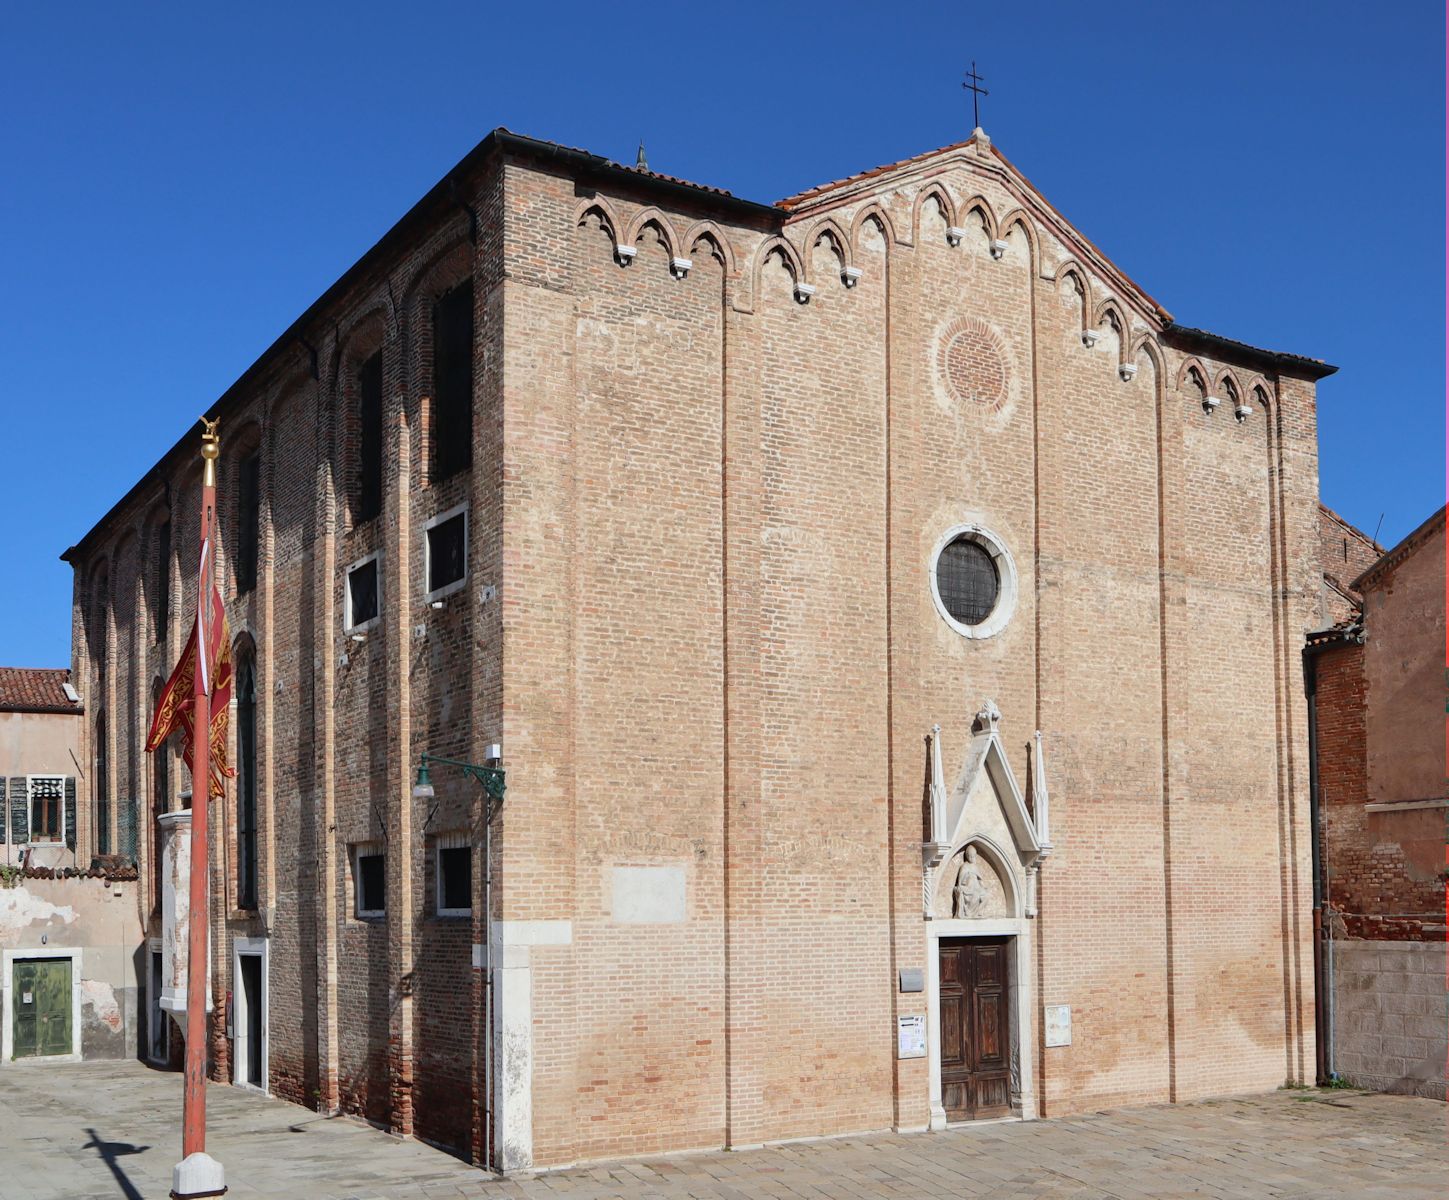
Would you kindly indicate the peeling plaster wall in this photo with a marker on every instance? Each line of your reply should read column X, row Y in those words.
column 39, row 743
column 100, row 919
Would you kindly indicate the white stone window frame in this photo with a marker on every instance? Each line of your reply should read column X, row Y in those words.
column 371, row 622
column 458, row 584
column 31, row 839
column 357, row 851
column 1001, row 614
column 449, row 841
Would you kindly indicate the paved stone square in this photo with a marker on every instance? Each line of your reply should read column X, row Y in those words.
column 83, row 1131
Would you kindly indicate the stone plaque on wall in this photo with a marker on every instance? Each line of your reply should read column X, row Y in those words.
column 1058, row 1022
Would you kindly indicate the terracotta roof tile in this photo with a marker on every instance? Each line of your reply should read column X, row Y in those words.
column 800, row 197
column 35, row 689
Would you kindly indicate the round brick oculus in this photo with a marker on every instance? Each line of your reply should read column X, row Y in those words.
column 971, row 360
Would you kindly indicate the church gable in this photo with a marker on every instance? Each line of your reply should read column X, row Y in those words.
column 970, row 196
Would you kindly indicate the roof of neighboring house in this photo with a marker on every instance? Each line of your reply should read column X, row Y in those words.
column 1350, row 527
column 1338, row 568
column 36, row 690
column 1405, row 549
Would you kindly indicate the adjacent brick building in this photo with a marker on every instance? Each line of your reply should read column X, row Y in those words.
column 1375, row 678
column 764, row 540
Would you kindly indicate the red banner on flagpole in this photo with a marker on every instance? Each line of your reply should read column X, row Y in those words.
column 175, row 707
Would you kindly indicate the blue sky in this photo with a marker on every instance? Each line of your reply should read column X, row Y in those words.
column 180, row 182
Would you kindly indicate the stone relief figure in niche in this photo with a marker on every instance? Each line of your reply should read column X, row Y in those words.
column 970, row 894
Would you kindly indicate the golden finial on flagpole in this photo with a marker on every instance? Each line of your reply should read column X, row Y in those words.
column 210, row 449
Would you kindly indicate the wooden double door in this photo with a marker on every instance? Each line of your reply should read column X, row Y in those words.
column 975, row 1028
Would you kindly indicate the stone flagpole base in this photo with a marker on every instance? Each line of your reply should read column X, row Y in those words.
column 197, row 1175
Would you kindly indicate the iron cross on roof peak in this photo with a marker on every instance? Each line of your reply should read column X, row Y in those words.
column 973, row 85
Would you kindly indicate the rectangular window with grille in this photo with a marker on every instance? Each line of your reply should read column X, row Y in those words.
column 452, row 431
column 246, row 782
column 454, row 876
column 447, row 553
column 369, row 880
column 47, row 808
column 362, row 603
column 369, row 439
column 248, row 518
column 161, row 602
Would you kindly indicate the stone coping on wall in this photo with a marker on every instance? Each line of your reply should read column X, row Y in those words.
column 116, row 874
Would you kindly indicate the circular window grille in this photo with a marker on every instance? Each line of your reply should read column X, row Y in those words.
column 967, row 580
column 973, row 581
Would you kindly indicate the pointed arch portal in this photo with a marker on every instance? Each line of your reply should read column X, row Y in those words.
column 979, row 899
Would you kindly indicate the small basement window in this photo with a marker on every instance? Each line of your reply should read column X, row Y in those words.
column 369, row 878
column 361, row 601
column 455, row 878
column 447, row 553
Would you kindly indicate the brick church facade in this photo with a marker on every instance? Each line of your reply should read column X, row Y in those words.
column 890, row 619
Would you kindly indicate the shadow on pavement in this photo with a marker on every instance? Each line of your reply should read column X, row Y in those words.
column 110, row 1152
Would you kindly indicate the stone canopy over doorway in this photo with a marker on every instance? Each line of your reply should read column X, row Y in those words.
column 979, row 891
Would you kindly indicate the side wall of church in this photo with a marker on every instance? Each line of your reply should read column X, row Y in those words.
column 723, row 657
column 381, row 1017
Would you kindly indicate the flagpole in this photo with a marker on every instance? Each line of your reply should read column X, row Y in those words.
column 198, row 1174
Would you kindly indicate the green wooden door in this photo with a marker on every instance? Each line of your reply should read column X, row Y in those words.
column 40, row 996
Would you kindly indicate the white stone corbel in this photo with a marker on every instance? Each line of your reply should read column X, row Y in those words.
column 1210, row 404
column 803, row 292
column 954, row 234
column 850, row 276
column 1127, row 371
column 624, row 255
column 1090, row 337
column 1242, row 412
column 998, row 249
column 679, row 267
